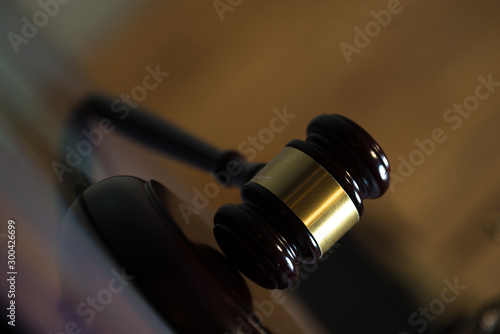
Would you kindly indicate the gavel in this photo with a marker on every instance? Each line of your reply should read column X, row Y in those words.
column 294, row 208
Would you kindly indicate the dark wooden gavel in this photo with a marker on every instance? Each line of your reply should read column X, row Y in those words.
column 294, row 208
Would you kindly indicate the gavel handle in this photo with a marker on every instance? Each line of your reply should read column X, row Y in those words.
column 166, row 138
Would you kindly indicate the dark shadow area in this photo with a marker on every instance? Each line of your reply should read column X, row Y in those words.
column 350, row 293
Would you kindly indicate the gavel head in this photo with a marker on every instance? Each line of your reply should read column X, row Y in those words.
column 302, row 202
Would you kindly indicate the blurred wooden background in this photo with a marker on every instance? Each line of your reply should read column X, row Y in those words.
column 226, row 77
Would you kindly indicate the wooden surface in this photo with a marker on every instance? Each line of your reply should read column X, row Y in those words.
column 226, row 77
